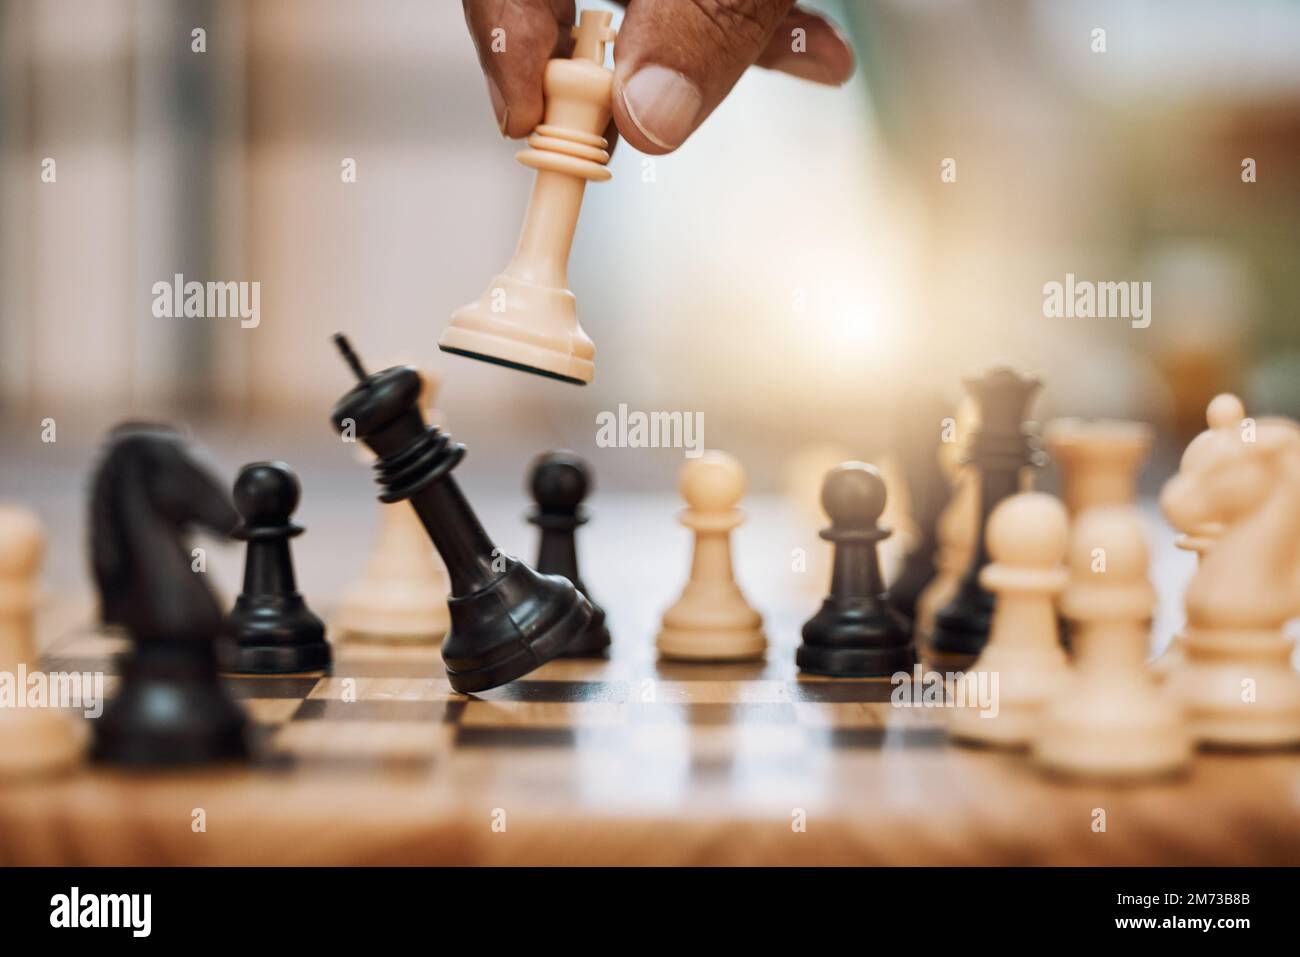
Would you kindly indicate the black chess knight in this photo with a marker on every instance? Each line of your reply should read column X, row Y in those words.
column 559, row 482
column 506, row 619
column 171, row 707
column 270, row 631
column 856, row 633
column 1000, row 449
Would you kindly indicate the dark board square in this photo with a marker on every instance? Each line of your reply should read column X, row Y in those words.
column 614, row 692
column 515, row 737
column 333, row 709
column 842, row 692
column 243, row 687
column 875, row 738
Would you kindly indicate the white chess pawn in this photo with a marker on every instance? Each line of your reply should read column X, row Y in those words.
column 1235, row 679
column 1225, row 417
column 1110, row 720
column 712, row 621
column 33, row 741
column 402, row 594
column 1027, row 535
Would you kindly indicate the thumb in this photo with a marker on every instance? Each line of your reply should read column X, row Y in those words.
column 676, row 60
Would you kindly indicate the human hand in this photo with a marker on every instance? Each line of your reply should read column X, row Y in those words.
column 674, row 60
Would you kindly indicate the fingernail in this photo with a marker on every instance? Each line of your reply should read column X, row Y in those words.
column 663, row 104
column 499, row 106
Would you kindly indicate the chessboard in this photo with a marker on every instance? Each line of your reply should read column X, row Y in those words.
column 626, row 760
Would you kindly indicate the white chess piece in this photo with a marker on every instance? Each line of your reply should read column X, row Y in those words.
column 1027, row 535
column 1236, row 680
column 402, row 594
column 712, row 621
column 955, row 527
column 1225, row 417
column 527, row 317
column 1097, row 460
column 1110, row 720
column 33, row 740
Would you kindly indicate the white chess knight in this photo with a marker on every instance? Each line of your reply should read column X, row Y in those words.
column 1110, row 720
column 1027, row 535
column 402, row 594
column 1226, row 420
column 34, row 741
column 1243, row 489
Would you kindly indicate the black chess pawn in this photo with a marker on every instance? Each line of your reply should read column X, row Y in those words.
column 559, row 482
column 270, row 631
column 1001, row 447
column 171, row 707
column 506, row 619
column 857, row 633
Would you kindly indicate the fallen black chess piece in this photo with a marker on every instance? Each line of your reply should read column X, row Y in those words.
column 506, row 619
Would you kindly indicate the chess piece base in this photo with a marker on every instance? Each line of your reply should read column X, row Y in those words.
column 1029, row 679
column 171, row 710
column 961, row 628
column 854, row 662
column 1096, row 739
column 274, row 659
column 856, row 638
column 36, row 742
column 593, row 642
column 685, row 644
column 272, row 636
column 383, row 611
column 1211, row 687
column 518, row 623
column 537, row 332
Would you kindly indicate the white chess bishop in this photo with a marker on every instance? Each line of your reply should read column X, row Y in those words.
column 1241, row 488
column 1110, row 720
column 1027, row 535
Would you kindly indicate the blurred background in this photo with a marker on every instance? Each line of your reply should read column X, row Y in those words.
column 799, row 272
